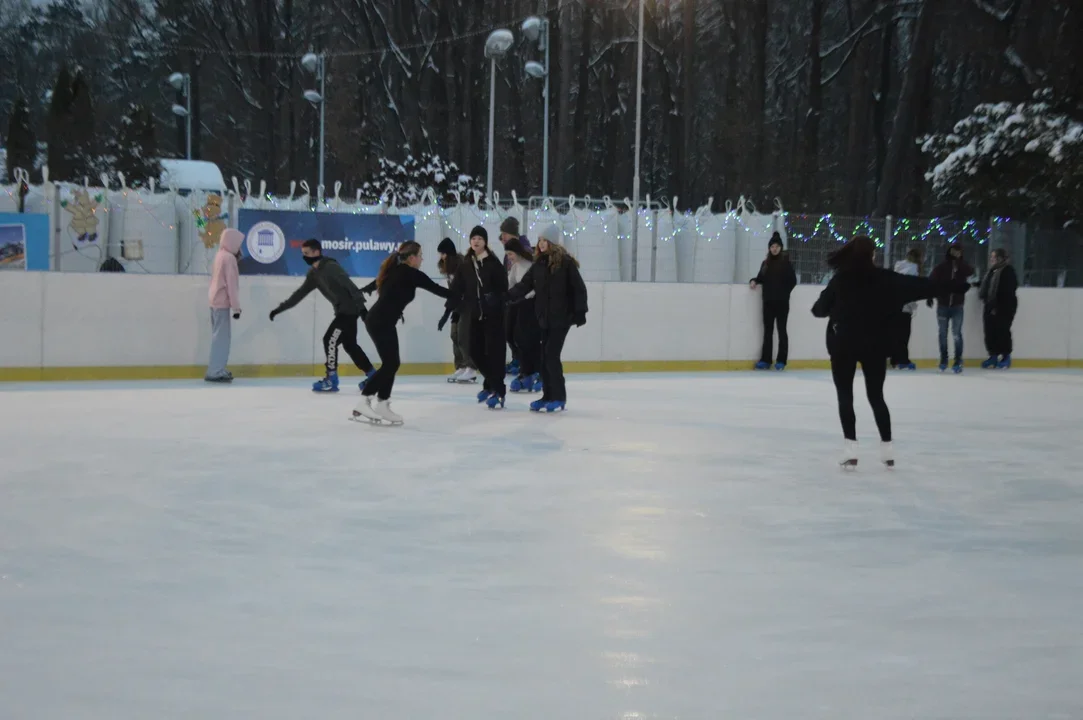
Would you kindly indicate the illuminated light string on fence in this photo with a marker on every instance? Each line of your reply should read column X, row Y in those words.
column 903, row 228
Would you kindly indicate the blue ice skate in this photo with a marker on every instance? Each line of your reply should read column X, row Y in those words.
column 495, row 402
column 554, row 406
column 1005, row 363
column 780, row 366
column 943, row 365
column 368, row 376
column 483, row 396
column 536, row 383
column 512, row 368
column 957, row 367
column 761, row 365
column 328, row 384
column 990, row 363
column 521, row 384
column 538, row 405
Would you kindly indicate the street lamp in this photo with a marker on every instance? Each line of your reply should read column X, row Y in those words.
column 317, row 64
column 496, row 45
column 639, row 125
column 536, row 29
column 183, row 83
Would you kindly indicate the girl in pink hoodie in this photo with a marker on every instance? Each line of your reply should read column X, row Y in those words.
column 224, row 297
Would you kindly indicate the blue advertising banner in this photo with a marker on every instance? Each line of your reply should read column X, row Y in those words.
column 360, row 243
column 24, row 241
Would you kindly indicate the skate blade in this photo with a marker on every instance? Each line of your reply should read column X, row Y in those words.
column 373, row 421
column 889, row 464
column 848, row 465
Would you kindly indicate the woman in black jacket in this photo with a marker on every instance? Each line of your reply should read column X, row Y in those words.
column 448, row 265
column 480, row 289
column 861, row 302
column 560, row 301
column 1000, row 304
column 778, row 279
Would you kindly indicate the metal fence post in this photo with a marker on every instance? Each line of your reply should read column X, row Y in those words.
column 888, row 230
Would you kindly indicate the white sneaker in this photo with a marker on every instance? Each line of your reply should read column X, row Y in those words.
column 849, row 455
column 455, row 376
column 469, row 375
column 364, row 409
column 383, row 411
column 887, row 454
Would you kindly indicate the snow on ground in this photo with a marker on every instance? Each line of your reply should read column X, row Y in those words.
column 671, row 547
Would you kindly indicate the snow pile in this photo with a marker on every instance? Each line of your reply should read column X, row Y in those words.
column 1020, row 159
column 406, row 182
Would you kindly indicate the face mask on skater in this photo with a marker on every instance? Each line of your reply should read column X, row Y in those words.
column 311, row 260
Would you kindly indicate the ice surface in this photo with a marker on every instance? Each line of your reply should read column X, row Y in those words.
column 672, row 547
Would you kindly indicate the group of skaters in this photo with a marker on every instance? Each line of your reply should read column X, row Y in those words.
column 870, row 310
column 528, row 301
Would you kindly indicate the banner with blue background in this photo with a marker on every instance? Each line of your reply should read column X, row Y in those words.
column 359, row 242
column 24, row 241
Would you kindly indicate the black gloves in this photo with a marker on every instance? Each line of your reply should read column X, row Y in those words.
column 443, row 320
column 580, row 319
column 236, row 314
column 274, row 312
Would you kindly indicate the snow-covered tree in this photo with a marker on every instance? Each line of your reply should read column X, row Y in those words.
column 21, row 145
column 134, row 151
column 59, row 125
column 407, row 181
column 1021, row 160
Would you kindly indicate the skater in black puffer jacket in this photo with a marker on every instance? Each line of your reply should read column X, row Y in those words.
column 560, row 301
column 479, row 291
column 861, row 302
column 778, row 279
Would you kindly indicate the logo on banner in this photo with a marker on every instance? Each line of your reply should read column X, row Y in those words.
column 266, row 242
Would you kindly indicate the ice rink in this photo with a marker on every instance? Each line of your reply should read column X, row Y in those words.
column 674, row 546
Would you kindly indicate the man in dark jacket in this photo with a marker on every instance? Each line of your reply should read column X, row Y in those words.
column 998, row 293
column 950, row 306
column 331, row 280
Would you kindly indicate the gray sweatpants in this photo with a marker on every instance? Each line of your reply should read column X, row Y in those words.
column 220, row 326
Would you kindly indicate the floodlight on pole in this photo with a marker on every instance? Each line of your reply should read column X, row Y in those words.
column 317, row 64
column 182, row 83
column 536, row 29
column 639, row 130
column 496, row 45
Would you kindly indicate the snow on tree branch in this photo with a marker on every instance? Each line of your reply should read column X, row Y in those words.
column 407, row 181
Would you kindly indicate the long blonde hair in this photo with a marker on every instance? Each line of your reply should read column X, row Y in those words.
column 407, row 249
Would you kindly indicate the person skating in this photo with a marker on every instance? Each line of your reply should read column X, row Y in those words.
column 465, row 370
column 399, row 278
column 1000, row 304
column 224, row 296
column 327, row 276
column 525, row 327
column 861, row 302
column 949, row 306
column 480, row 289
column 509, row 231
column 778, row 279
column 560, row 301
column 900, row 355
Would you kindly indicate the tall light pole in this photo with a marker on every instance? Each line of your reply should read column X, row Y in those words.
column 317, row 64
column 183, row 83
column 537, row 29
column 498, row 43
column 639, row 126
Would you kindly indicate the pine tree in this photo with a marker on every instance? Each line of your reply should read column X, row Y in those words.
column 83, row 152
column 135, row 149
column 21, row 144
column 58, row 126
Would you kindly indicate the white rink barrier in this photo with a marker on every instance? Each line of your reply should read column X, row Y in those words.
column 117, row 326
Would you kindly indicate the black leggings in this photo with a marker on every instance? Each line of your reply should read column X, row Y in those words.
column 552, row 369
column 772, row 315
column 874, row 368
column 487, row 351
column 386, row 339
column 343, row 331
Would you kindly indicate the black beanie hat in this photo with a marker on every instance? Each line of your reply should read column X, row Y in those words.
column 510, row 226
column 776, row 239
column 447, row 247
column 479, row 231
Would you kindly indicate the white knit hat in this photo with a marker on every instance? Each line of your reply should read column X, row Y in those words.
column 551, row 233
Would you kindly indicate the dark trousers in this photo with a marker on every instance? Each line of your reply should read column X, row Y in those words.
column 487, row 351
column 386, row 339
column 998, row 331
column 552, row 369
column 527, row 339
column 343, row 331
column 874, row 368
column 775, row 315
column 511, row 318
column 460, row 341
column 901, row 339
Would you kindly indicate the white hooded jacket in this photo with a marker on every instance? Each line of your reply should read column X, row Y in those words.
column 906, row 267
column 519, row 267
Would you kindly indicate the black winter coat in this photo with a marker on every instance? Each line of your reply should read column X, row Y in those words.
column 560, row 295
column 777, row 280
column 998, row 289
column 861, row 305
column 479, row 288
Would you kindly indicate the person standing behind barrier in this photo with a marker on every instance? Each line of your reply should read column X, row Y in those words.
column 900, row 355
column 778, row 279
column 560, row 301
column 449, row 264
column 509, row 230
column 480, row 288
column 224, row 297
column 998, row 293
column 949, row 306
column 526, row 330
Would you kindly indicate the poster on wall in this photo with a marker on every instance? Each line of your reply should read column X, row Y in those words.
column 24, row 241
column 358, row 242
